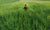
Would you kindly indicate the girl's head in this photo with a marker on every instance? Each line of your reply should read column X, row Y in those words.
column 25, row 5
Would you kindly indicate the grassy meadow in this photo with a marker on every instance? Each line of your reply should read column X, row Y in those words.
column 14, row 17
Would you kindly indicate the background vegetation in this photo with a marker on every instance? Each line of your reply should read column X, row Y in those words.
column 7, row 1
column 14, row 17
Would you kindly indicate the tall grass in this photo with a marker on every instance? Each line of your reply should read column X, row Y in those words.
column 16, row 18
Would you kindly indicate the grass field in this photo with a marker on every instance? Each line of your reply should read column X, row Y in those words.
column 14, row 17
column 7, row 1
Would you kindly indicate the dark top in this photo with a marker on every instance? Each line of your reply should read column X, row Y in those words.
column 25, row 8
